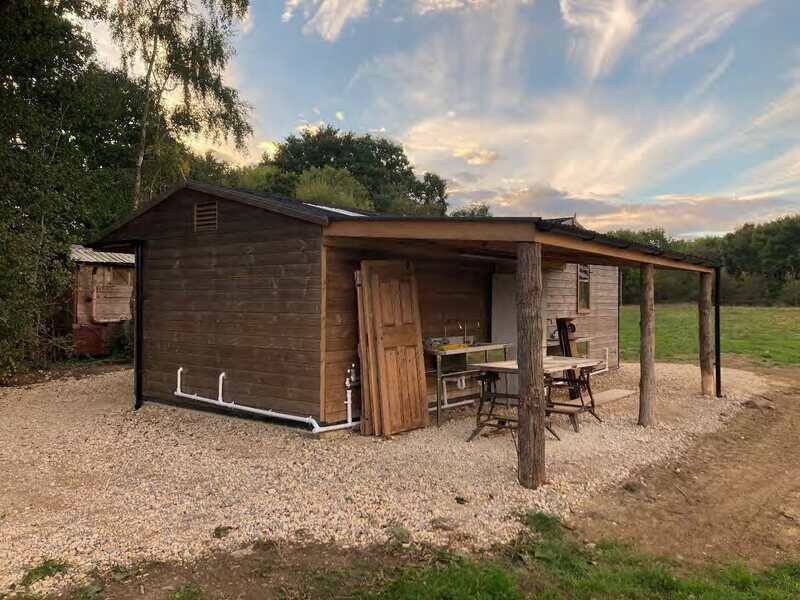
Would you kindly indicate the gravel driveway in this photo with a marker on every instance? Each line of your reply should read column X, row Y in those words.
column 88, row 481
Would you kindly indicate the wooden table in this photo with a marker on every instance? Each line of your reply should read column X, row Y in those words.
column 470, row 369
column 551, row 365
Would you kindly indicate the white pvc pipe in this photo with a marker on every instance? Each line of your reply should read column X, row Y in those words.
column 315, row 426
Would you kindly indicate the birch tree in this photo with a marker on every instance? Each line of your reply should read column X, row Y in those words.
column 180, row 49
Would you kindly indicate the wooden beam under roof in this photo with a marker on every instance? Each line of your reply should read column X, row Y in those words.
column 494, row 236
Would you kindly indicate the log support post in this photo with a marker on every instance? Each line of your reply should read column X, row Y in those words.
column 647, row 351
column 706, row 347
column 717, row 329
column 531, row 406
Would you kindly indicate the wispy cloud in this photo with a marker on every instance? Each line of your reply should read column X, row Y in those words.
column 571, row 143
column 785, row 110
column 681, row 27
column 326, row 18
column 602, row 30
column 684, row 215
column 423, row 7
column 712, row 77
column 777, row 175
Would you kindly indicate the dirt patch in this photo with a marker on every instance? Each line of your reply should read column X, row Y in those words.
column 264, row 571
column 77, row 369
column 733, row 495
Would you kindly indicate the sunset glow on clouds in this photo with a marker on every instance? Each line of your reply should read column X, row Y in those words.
column 633, row 113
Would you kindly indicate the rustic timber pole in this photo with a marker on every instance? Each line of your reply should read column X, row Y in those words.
column 717, row 332
column 704, row 311
column 647, row 352
column 138, row 336
column 531, row 407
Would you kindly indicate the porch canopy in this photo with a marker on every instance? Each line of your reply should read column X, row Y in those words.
column 526, row 245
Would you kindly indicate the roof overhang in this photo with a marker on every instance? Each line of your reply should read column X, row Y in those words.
column 559, row 242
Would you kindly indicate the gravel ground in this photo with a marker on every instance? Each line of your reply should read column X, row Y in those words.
column 88, row 481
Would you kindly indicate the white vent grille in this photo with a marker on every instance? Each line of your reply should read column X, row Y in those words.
column 205, row 216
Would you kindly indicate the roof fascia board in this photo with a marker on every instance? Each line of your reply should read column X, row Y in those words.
column 440, row 229
column 504, row 231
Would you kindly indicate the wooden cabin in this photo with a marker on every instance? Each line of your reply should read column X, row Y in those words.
column 262, row 289
column 101, row 298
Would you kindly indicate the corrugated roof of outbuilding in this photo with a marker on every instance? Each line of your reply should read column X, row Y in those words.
column 83, row 254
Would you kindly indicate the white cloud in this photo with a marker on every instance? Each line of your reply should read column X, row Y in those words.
column 325, row 18
column 713, row 76
column 603, row 29
column 423, row 7
column 310, row 127
column 570, row 142
column 688, row 214
column 474, row 61
column 475, row 156
column 785, row 110
column 778, row 175
column 681, row 27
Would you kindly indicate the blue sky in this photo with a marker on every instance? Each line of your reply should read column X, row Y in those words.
column 683, row 114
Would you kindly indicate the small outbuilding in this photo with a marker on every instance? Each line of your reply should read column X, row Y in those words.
column 249, row 301
column 102, row 290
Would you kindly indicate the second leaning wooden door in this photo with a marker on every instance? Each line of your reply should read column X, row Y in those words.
column 398, row 344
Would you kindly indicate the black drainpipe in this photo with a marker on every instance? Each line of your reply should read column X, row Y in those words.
column 717, row 350
column 138, row 397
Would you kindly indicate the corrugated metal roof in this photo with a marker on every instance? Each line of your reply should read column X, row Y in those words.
column 334, row 210
column 86, row 255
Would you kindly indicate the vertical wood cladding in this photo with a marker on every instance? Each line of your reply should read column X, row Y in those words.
column 448, row 293
column 244, row 299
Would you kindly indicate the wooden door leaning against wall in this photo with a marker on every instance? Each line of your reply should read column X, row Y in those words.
column 397, row 329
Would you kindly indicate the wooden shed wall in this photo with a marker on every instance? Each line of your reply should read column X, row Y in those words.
column 600, row 324
column 113, row 284
column 448, row 292
column 104, row 290
column 244, row 300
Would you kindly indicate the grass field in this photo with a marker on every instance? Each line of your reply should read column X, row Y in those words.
column 766, row 334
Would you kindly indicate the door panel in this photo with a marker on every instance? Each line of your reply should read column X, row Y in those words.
column 398, row 344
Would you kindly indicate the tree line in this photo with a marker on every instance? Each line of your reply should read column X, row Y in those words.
column 760, row 264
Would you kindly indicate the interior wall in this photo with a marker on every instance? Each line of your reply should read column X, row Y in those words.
column 449, row 293
column 560, row 300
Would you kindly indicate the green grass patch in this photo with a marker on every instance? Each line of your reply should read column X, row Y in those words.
column 549, row 562
column 46, row 568
column 763, row 333
column 461, row 581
